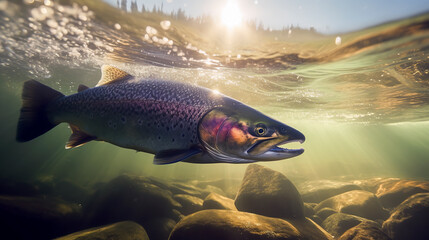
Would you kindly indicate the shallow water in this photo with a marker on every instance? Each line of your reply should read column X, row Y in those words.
column 363, row 105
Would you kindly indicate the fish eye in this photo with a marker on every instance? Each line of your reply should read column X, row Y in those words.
column 260, row 129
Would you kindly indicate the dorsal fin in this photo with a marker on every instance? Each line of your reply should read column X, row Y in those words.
column 81, row 88
column 111, row 74
column 78, row 138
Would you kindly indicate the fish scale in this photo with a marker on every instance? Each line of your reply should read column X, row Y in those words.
column 164, row 108
column 174, row 121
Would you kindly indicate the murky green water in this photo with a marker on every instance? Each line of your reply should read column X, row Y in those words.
column 363, row 105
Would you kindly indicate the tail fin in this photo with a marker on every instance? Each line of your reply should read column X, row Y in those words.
column 33, row 120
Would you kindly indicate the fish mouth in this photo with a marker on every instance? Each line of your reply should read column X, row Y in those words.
column 278, row 149
column 269, row 149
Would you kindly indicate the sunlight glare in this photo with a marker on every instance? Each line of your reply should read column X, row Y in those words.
column 231, row 15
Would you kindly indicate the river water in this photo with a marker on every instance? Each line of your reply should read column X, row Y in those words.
column 361, row 98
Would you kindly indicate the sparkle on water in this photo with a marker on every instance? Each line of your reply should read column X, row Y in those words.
column 231, row 15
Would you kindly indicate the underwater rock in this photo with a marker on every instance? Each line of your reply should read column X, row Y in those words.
column 160, row 228
column 190, row 204
column 69, row 191
column 316, row 219
column 357, row 202
column 216, row 201
column 392, row 193
column 372, row 184
column 317, row 191
column 131, row 198
column 229, row 186
column 183, row 188
column 409, row 220
column 37, row 218
column 338, row 223
column 118, row 231
column 325, row 212
column 269, row 193
column 364, row 231
column 212, row 189
column 234, row 225
column 64, row 189
column 308, row 210
column 17, row 188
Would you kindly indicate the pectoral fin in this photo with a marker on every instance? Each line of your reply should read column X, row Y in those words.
column 78, row 138
column 172, row 156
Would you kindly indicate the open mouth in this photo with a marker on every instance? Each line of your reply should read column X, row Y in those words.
column 263, row 146
column 278, row 149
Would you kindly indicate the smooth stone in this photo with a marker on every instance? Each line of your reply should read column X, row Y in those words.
column 317, row 191
column 338, row 223
column 364, row 231
column 269, row 193
column 213, row 189
column 230, row 185
column 37, row 217
column 185, row 188
column 392, row 193
column 234, row 225
column 308, row 210
column 409, row 220
column 17, row 188
column 132, row 198
column 118, row 231
column 160, row 228
column 372, row 184
column 190, row 204
column 325, row 212
column 316, row 219
column 216, row 201
column 357, row 202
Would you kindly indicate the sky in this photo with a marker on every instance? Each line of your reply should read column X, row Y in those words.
column 326, row 16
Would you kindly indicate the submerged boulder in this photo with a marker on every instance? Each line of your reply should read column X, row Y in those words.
column 269, row 193
column 228, row 187
column 131, row 198
column 118, row 231
column 308, row 210
column 17, row 188
column 338, row 223
column 357, row 202
column 37, row 218
column 185, row 188
column 190, row 204
column 372, row 184
column 159, row 228
column 365, row 231
column 410, row 220
column 317, row 191
column 392, row 193
column 216, row 201
column 325, row 212
column 234, row 225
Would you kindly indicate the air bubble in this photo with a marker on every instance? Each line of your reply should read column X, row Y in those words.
column 165, row 24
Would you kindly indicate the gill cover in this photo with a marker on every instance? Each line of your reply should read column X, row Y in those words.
column 224, row 137
column 244, row 135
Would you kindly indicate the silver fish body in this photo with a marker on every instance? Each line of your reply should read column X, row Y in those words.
column 174, row 121
column 147, row 115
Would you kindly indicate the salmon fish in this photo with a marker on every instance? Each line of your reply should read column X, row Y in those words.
column 172, row 120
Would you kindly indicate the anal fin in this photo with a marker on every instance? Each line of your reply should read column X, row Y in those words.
column 78, row 138
column 172, row 156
